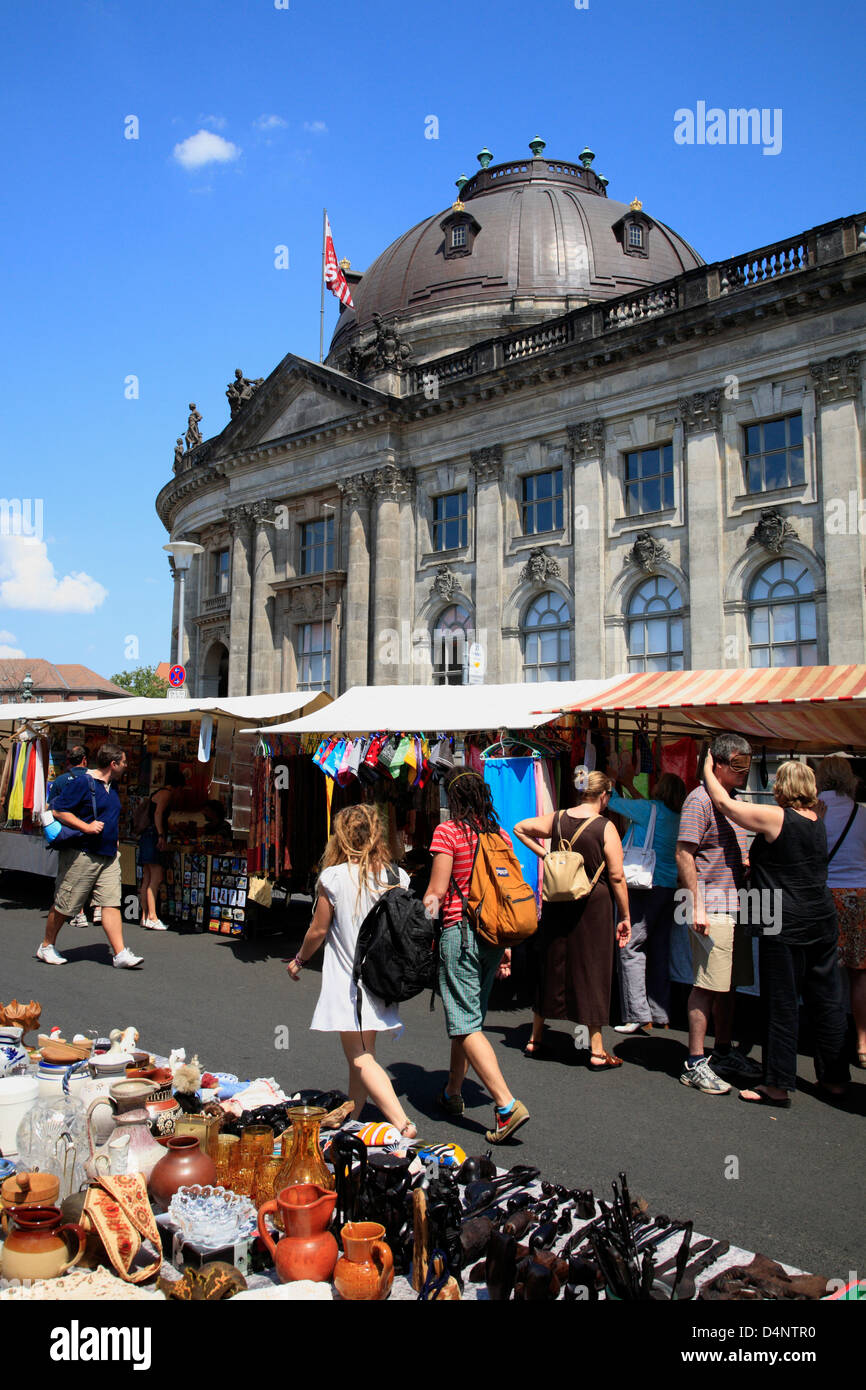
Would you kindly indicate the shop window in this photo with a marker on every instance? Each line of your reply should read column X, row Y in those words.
column 314, row 656
column 773, row 454
column 649, row 480
column 450, row 521
column 655, row 627
column 542, row 502
column 782, row 616
column 317, row 546
column 545, row 637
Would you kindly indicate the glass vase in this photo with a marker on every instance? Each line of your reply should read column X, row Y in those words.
column 305, row 1162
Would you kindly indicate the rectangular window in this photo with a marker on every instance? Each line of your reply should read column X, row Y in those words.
column 773, row 454
column 450, row 528
column 542, row 502
column 635, row 236
column 220, row 573
column 317, row 546
column 649, row 480
column 314, row 656
column 458, row 236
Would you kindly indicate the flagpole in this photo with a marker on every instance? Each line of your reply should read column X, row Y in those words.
column 322, row 314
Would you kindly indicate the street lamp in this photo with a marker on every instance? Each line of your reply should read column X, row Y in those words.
column 182, row 553
column 26, row 691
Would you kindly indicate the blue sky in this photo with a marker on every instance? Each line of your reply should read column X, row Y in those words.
column 121, row 260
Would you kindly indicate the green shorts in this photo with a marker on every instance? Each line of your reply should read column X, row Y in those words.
column 84, row 877
column 467, row 969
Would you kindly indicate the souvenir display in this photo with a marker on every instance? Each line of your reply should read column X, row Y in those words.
column 307, row 1250
column 365, row 1270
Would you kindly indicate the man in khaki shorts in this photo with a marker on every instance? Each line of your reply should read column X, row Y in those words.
column 712, row 860
column 89, row 866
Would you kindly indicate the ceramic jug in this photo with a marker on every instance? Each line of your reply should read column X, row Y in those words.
column 365, row 1270
column 143, row 1153
column 308, row 1250
column 38, row 1244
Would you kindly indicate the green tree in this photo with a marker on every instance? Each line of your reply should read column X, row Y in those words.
column 142, row 681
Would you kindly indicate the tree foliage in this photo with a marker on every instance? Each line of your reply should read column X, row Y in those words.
column 142, row 681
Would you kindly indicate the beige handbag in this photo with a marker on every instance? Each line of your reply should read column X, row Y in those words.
column 565, row 878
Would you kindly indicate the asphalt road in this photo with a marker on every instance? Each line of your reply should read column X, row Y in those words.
column 786, row 1183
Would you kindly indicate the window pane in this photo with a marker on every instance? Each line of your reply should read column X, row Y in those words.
column 784, row 622
column 753, row 439
column 759, row 656
column 796, row 466
column 636, row 638
column 652, row 496
column 657, row 635
column 807, row 620
column 633, row 499
column 785, row 656
column 795, row 429
column 759, row 625
column 632, row 465
column 775, row 470
column 668, row 490
column 808, row 655
column 657, row 663
column 544, row 516
column 774, row 434
column 676, row 630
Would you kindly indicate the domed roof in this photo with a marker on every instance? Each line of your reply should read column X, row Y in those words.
column 540, row 237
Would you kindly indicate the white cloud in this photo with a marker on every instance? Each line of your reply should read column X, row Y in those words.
column 218, row 122
column 316, row 127
column 269, row 122
column 28, row 580
column 205, row 148
column 6, row 650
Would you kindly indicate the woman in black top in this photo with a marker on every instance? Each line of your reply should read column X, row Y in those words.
column 797, row 927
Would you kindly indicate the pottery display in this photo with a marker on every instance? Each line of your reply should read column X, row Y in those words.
column 163, row 1113
column 305, row 1162
column 18, row 1095
column 39, row 1245
column 52, row 1137
column 13, row 1059
column 27, row 1190
column 183, row 1166
column 307, row 1250
column 365, row 1270
column 128, row 1119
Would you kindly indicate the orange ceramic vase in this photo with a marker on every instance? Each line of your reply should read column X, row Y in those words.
column 308, row 1250
column 365, row 1271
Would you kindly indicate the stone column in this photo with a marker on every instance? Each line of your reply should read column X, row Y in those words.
column 837, row 383
column 260, row 678
column 489, row 557
column 391, row 487
column 701, row 419
column 589, row 580
column 355, row 662
column 239, row 639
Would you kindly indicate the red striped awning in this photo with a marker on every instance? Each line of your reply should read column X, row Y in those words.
column 815, row 706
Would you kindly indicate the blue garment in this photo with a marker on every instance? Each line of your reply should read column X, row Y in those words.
column 75, row 797
column 664, row 837
column 512, row 786
column 65, row 777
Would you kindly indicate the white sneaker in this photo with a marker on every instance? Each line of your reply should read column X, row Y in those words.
column 627, row 1027
column 154, row 924
column 50, row 956
column 79, row 920
column 125, row 960
column 97, row 916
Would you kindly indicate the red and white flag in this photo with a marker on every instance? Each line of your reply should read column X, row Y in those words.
column 334, row 277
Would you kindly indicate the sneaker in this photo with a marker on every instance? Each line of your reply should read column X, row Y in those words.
column 507, row 1124
column 736, row 1064
column 630, row 1027
column 452, row 1105
column 79, row 920
column 125, row 960
column 154, row 924
column 97, row 916
column 49, row 955
column 703, row 1078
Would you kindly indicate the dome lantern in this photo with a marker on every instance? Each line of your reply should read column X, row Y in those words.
column 537, row 145
column 484, row 157
column 586, row 156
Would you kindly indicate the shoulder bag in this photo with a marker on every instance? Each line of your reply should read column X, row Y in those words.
column 564, row 876
column 639, row 864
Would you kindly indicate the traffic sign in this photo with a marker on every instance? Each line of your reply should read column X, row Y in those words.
column 176, row 676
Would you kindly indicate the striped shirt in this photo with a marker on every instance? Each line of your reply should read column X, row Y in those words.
column 458, row 840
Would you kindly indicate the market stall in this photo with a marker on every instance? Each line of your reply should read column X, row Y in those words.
column 207, row 885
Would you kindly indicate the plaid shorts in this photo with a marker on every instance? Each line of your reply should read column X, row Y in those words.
column 467, row 969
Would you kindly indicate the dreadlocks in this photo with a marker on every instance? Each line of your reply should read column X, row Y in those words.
column 470, row 802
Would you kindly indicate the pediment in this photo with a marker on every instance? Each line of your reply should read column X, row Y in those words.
column 303, row 408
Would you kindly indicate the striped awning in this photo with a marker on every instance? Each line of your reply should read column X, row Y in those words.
column 803, row 707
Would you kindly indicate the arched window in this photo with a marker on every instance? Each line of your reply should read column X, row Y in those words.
column 782, row 622
column 655, row 626
column 451, row 637
column 546, row 639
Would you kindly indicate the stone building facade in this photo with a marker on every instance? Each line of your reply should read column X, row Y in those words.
column 548, row 428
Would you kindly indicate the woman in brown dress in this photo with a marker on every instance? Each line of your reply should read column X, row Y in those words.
column 576, row 939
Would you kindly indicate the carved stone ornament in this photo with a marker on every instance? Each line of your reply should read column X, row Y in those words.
column 241, row 390
column 837, row 379
column 193, row 433
column 239, row 517
column 701, row 411
column 386, row 351
column 178, row 453
column 487, row 463
column 539, row 568
column 446, row 582
column 357, row 489
column 392, row 484
column 647, row 552
column 586, row 439
column 305, row 602
column 772, row 531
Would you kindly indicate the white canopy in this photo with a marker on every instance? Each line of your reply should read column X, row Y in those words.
column 41, row 711
column 241, row 709
column 449, row 708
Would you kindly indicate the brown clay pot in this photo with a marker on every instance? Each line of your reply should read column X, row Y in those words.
column 27, row 1190
column 308, row 1250
column 365, row 1271
column 38, row 1245
column 183, row 1165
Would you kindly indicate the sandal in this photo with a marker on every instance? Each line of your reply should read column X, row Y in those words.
column 536, row 1049
column 764, row 1099
column 603, row 1063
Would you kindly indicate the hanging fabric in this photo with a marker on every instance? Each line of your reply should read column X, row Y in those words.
column 512, row 787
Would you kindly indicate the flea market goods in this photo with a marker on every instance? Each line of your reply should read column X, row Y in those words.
column 183, row 1166
column 52, row 1137
column 365, row 1271
column 307, row 1250
column 39, row 1245
column 27, row 1190
column 305, row 1163
column 18, row 1095
column 142, row 1152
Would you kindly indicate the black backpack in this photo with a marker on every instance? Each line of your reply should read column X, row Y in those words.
column 395, row 955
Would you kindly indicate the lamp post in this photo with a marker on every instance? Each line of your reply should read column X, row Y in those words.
column 326, row 507
column 26, row 691
column 182, row 553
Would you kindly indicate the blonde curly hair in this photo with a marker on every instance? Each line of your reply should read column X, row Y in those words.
column 358, row 837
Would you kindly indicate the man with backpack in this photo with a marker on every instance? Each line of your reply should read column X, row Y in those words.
column 76, row 760
column 485, row 904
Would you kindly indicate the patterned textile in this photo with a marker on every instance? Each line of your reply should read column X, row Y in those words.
column 851, row 911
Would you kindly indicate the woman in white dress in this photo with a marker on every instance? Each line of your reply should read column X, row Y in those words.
column 352, row 878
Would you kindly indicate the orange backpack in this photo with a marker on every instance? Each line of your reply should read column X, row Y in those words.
column 501, row 905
